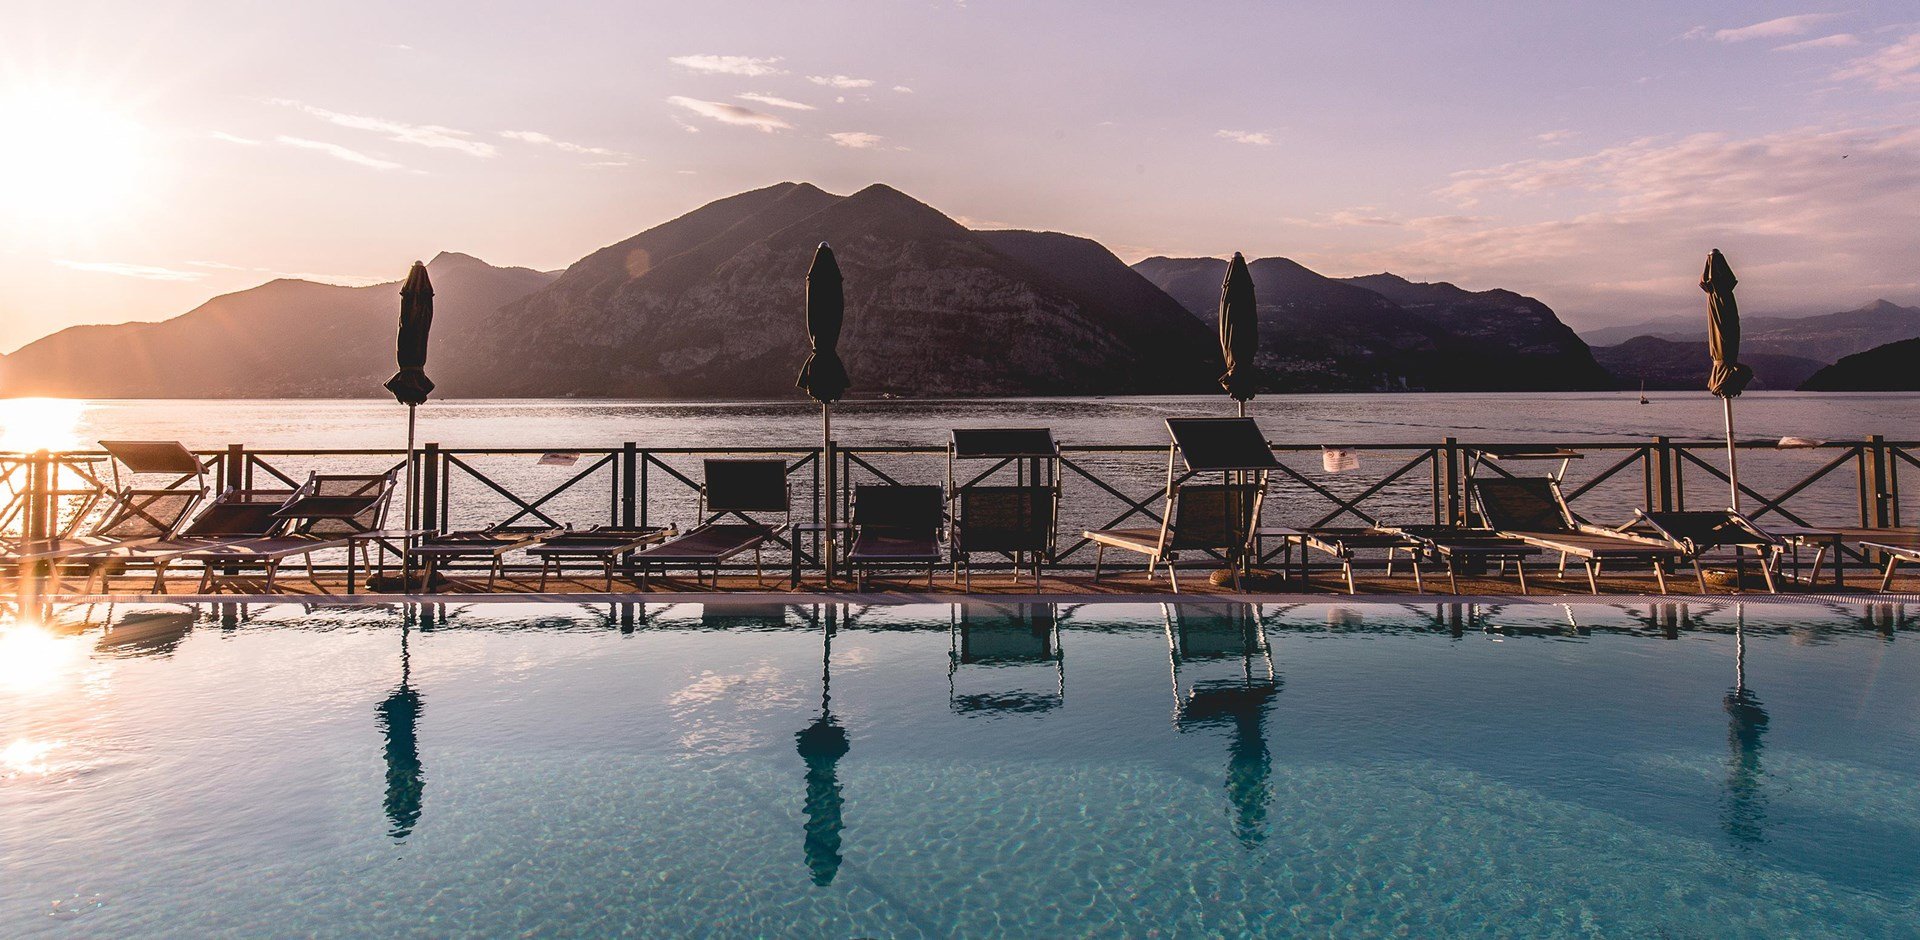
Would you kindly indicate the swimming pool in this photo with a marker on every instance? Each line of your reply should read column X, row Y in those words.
column 910, row 770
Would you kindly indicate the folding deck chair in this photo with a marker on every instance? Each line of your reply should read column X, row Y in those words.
column 1213, row 518
column 325, row 513
column 1694, row 533
column 1531, row 510
column 1458, row 545
column 235, row 516
column 731, row 488
column 1015, row 520
column 1895, row 551
column 602, row 545
column 490, row 544
column 895, row 525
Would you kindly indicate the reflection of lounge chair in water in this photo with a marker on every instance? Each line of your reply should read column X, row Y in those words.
column 997, row 636
column 145, row 633
column 1240, row 700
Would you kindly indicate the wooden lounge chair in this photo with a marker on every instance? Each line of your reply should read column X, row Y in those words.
column 235, row 516
column 731, row 494
column 602, row 545
column 130, row 515
column 1344, row 544
column 1531, row 510
column 1017, row 520
column 324, row 514
column 1456, row 546
column 1212, row 518
column 895, row 525
column 1696, row 532
column 491, row 544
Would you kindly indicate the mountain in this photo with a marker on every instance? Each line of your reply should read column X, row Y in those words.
column 283, row 339
column 1894, row 367
column 1826, row 337
column 1668, row 364
column 709, row 305
column 1384, row 332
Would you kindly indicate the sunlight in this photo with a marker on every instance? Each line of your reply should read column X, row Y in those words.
column 30, row 424
column 33, row 660
column 70, row 159
column 26, row 757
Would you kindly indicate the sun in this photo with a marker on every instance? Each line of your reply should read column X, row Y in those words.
column 70, row 160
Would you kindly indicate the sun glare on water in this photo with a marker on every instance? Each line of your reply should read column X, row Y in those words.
column 30, row 424
column 70, row 159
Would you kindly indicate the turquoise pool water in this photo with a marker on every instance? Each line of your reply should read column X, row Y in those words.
column 1095, row 770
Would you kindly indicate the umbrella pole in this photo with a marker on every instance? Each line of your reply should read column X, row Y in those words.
column 826, row 450
column 1733, row 466
column 412, row 507
column 1243, row 407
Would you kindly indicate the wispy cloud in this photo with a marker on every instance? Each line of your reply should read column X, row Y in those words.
column 1776, row 28
column 423, row 135
column 774, row 101
column 146, row 272
column 1887, row 68
column 1362, row 215
column 1556, row 136
column 750, row 66
column 903, row 89
column 234, row 138
column 545, row 140
column 1835, row 41
column 338, row 152
column 1256, row 138
column 840, row 81
column 727, row 113
column 858, row 140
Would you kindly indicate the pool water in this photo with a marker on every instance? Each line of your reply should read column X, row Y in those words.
column 988, row 770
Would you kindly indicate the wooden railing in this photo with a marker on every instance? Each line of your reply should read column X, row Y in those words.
column 1853, row 483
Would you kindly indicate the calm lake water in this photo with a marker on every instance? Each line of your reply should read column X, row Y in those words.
column 491, row 770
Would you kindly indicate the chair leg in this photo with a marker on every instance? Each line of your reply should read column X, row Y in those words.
column 1593, row 576
column 1767, row 564
column 1660, row 575
column 545, row 563
column 1099, row 555
column 1347, row 568
column 1520, row 568
column 1886, row 580
column 1453, row 575
column 1700, row 575
column 1173, row 576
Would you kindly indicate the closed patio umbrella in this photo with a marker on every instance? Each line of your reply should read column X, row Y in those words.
column 1239, row 333
column 824, row 376
column 410, row 386
column 1729, row 376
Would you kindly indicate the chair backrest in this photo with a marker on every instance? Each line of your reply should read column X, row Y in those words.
column 913, row 509
column 1521, row 504
column 985, row 443
column 153, row 456
column 1004, row 519
column 1212, row 515
column 144, row 514
column 745, row 486
column 1221, row 444
column 239, row 513
column 380, row 486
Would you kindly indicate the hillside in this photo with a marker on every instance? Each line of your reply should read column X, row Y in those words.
column 1666, row 364
column 1894, row 367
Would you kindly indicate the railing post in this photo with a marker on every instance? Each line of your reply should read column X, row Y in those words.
column 236, row 462
column 428, row 497
column 1454, row 516
column 1861, row 464
column 1663, row 471
column 1877, row 476
column 38, row 496
column 629, row 484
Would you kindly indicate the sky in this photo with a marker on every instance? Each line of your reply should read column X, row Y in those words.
column 155, row 155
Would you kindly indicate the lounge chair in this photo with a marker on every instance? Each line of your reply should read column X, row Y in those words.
column 1531, row 510
column 235, row 516
column 131, row 514
column 731, row 494
column 1455, row 546
column 1212, row 518
column 895, row 525
column 1014, row 520
column 327, row 512
column 1344, row 545
column 491, row 544
column 1696, row 532
column 1895, row 550
column 602, row 545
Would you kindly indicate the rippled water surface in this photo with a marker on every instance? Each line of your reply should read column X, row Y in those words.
column 1107, row 769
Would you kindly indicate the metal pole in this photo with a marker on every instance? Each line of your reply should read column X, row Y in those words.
column 1733, row 466
column 1243, row 407
column 410, row 516
column 826, row 449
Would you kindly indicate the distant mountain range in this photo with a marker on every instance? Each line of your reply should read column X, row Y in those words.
column 1894, row 367
column 1669, row 364
column 1823, row 338
column 708, row 305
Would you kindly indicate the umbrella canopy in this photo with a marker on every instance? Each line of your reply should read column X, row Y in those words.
column 1730, row 376
column 824, row 377
column 1239, row 331
column 410, row 385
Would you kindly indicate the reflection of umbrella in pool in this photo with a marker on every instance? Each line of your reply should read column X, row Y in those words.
column 1745, row 803
column 821, row 745
column 1241, row 702
column 399, row 715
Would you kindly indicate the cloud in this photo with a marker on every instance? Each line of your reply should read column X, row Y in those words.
column 535, row 137
column 1887, row 68
column 1769, row 29
column 903, row 89
column 422, row 135
column 233, row 138
column 338, row 152
column 1556, row 137
column 840, row 81
column 1256, row 138
column 858, row 140
column 746, row 65
column 1835, row 41
column 733, row 114
column 1362, row 215
column 1628, row 224
column 774, row 101
column 143, row 271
